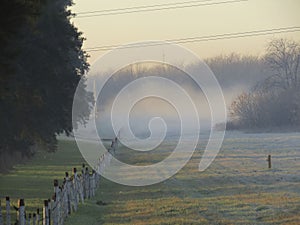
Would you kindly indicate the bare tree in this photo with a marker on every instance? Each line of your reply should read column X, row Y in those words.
column 283, row 56
column 275, row 102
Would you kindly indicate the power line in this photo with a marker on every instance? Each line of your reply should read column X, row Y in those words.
column 201, row 38
column 149, row 8
column 140, row 7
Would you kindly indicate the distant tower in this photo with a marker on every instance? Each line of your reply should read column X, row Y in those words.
column 164, row 62
column 95, row 99
column 119, row 135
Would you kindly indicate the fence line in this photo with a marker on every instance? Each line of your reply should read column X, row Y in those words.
column 66, row 198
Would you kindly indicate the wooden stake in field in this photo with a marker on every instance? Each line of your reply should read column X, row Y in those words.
column 269, row 161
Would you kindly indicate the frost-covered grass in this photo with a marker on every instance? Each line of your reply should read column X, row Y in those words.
column 237, row 188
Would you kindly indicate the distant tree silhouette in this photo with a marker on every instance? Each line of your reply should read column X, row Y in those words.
column 274, row 102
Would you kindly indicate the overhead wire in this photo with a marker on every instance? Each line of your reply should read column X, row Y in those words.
column 200, row 38
column 141, row 7
column 176, row 5
column 149, row 8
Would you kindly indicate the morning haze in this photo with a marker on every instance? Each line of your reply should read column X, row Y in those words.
column 170, row 129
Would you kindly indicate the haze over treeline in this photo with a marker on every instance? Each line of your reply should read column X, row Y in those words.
column 234, row 72
column 260, row 92
column 42, row 62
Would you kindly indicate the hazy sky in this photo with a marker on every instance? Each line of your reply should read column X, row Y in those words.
column 188, row 22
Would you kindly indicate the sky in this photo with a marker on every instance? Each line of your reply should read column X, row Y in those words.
column 188, row 22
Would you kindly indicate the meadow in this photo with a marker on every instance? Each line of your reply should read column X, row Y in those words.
column 33, row 180
column 238, row 187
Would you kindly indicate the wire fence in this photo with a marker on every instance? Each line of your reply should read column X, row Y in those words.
column 74, row 189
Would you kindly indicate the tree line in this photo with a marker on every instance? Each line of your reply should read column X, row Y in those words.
column 42, row 62
column 269, row 85
column 274, row 102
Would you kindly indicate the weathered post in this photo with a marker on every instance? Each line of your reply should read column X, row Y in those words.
column 29, row 219
column 8, row 218
column 21, row 211
column 64, row 199
column 63, row 204
column 56, row 205
column 87, row 182
column 83, row 180
column 75, row 189
column 96, row 177
column 93, row 183
column 113, row 147
column 1, row 219
column 116, row 144
column 56, row 188
column 269, row 162
column 33, row 219
column 101, row 163
column 37, row 216
column 49, row 211
column 68, row 193
column 45, row 213
column 78, row 188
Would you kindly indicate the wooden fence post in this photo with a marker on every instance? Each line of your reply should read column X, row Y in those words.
column 68, row 192
column 29, row 219
column 21, row 211
column 1, row 219
column 55, row 202
column 45, row 213
column 62, row 211
column 83, row 180
column 34, row 219
column 87, row 182
column 49, row 211
column 38, row 217
column 75, row 189
column 78, row 188
column 8, row 218
column 93, row 183
column 101, row 164
column 64, row 199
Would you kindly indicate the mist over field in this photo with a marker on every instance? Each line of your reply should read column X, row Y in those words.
column 235, row 74
column 139, row 112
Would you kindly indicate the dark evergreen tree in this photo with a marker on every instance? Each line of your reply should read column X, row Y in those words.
column 43, row 65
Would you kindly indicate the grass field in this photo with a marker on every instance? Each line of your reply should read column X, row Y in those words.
column 238, row 188
column 33, row 180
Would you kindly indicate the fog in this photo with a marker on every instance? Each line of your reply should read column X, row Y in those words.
column 234, row 73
